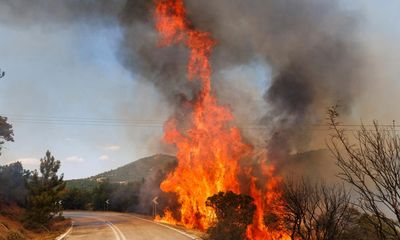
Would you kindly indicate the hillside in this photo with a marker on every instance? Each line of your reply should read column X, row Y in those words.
column 317, row 164
column 131, row 172
column 11, row 226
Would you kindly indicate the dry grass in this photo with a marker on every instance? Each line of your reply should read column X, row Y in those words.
column 11, row 227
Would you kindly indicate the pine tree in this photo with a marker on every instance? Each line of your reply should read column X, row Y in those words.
column 44, row 193
column 6, row 132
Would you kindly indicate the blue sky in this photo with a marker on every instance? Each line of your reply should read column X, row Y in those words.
column 73, row 72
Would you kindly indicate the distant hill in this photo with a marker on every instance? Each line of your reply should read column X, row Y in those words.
column 131, row 172
column 317, row 164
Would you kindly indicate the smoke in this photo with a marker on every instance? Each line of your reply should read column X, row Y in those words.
column 25, row 13
column 164, row 68
column 309, row 46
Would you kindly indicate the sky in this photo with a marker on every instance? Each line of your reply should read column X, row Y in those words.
column 65, row 91
column 71, row 76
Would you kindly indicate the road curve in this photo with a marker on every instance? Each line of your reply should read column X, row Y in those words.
column 118, row 226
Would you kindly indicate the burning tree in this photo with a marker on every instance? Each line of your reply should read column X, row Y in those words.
column 372, row 166
column 234, row 213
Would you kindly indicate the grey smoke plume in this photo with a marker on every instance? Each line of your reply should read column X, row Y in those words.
column 25, row 13
column 310, row 46
column 165, row 68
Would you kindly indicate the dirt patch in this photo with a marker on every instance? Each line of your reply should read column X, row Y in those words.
column 11, row 227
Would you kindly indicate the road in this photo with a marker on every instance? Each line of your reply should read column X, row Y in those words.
column 118, row 226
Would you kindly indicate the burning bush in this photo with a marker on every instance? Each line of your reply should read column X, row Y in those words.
column 234, row 212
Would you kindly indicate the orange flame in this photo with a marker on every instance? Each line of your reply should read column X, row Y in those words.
column 209, row 151
column 267, row 199
column 167, row 218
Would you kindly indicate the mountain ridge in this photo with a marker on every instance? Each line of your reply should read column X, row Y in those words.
column 134, row 171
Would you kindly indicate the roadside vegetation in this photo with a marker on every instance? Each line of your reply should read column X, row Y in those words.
column 234, row 212
column 104, row 195
column 29, row 201
column 362, row 205
column 369, row 162
column 29, row 206
column 44, row 194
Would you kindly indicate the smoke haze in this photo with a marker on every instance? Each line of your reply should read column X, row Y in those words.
column 308, row 50
column 310, row 47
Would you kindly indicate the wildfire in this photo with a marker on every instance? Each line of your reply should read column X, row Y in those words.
column 210, row 150
column 167, row 218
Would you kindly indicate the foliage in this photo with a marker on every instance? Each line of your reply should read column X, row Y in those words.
column 359, row 227
column 6, row 132
column 12, row 188
column 315, row 211
column 234, row 212
column 81, row 184
column 371, row 166
column 44, row 193
column 140, row 178
column 120, row 197
column 75, row 199
column 100, row 195
column 125, row 198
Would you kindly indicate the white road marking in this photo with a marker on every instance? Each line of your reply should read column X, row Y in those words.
column 117, row 236
column 62, row 236
column 121, row 236
column 176, row 230
column 117, row 233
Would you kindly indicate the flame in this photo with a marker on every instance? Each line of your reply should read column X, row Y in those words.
column 210, row 150
column 267, row 199
column 167, row 218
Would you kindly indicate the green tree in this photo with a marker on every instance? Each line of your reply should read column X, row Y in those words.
column 75, row 198
column 6, row 132
column 234, row 213
column 12, row 187
column 44, row 193
column 101, row 194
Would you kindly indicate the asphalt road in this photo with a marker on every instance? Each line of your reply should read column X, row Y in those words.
column 118, row 226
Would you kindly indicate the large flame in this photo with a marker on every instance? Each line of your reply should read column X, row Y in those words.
column 210, row 150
